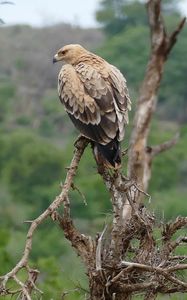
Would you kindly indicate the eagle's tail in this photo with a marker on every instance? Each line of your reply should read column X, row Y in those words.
column 109, row 154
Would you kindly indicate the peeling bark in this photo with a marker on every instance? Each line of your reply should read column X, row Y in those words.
column 140, row 160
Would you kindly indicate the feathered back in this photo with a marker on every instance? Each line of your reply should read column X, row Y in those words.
column 94, row 94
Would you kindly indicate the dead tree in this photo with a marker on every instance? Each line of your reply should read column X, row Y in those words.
column 152, row 269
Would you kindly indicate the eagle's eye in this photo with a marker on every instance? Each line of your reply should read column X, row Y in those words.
column 63, row 52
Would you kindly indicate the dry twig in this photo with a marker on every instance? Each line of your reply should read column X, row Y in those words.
column 23, row 263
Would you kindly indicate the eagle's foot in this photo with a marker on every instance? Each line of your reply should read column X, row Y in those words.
column 79, row 141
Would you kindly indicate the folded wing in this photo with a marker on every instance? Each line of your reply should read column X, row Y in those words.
column 96, row 104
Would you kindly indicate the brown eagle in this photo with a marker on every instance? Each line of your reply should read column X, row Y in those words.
column 96, row 98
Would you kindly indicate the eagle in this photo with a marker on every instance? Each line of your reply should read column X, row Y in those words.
column 95, row 96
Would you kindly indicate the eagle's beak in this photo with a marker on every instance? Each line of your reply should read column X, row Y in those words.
column 55, row 58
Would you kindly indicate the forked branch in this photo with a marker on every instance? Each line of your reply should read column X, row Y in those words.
column 62, row 198
column 139, row 164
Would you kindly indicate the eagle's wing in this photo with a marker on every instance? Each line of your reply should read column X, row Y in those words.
column 89, row 102
column 122, row 100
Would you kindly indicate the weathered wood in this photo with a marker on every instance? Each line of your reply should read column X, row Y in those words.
column 140, row 159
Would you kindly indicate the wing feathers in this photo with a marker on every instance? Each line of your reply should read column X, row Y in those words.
column 97, row 103
column 93, row 132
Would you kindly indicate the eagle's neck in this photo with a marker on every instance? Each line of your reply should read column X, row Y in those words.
column 90, row 59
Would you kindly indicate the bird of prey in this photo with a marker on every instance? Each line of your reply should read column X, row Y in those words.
column 96, row 98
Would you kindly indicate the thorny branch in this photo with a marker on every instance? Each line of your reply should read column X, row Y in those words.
column 125, row 274
column 23, row 263
column 155, row 150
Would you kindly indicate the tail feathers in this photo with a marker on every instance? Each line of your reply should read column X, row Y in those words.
column 109, row 154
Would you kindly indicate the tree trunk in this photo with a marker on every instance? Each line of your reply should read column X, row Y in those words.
column 100, row 291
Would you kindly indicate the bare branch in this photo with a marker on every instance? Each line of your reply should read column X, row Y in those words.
column 83, row 245
column 30, row 283
column 178, row 257
column 155, row 150
column 173, row 37
column 161, row 271
column 98, row 250
column 171, row 228
column 137, row 287
column 150, row 295
column 80, row 146
column 74, row 187
column 139, row 164
column 158, row 31
column 25, row 295
column 178, row 267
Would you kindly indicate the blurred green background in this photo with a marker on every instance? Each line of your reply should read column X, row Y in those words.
column 36, row 137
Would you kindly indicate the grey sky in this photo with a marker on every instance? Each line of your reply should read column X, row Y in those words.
column 47, row 12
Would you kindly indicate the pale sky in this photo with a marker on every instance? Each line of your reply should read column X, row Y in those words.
column 48, row 12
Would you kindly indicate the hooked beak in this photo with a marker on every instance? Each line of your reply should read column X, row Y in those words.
column 55, row 58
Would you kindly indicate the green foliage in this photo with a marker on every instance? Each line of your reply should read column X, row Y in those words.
column 120, row 51
column 7, row 92
column 173, row 88
column 54, row 118
column 170, row 162
column 57, row 279
column 168, row 182
column 117, row 15
column 32, row 168
column 5, row 258
column 170, row 203
column 20, row 64
column 51, row 280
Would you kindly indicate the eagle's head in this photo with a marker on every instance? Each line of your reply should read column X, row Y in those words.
column 69, row 54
